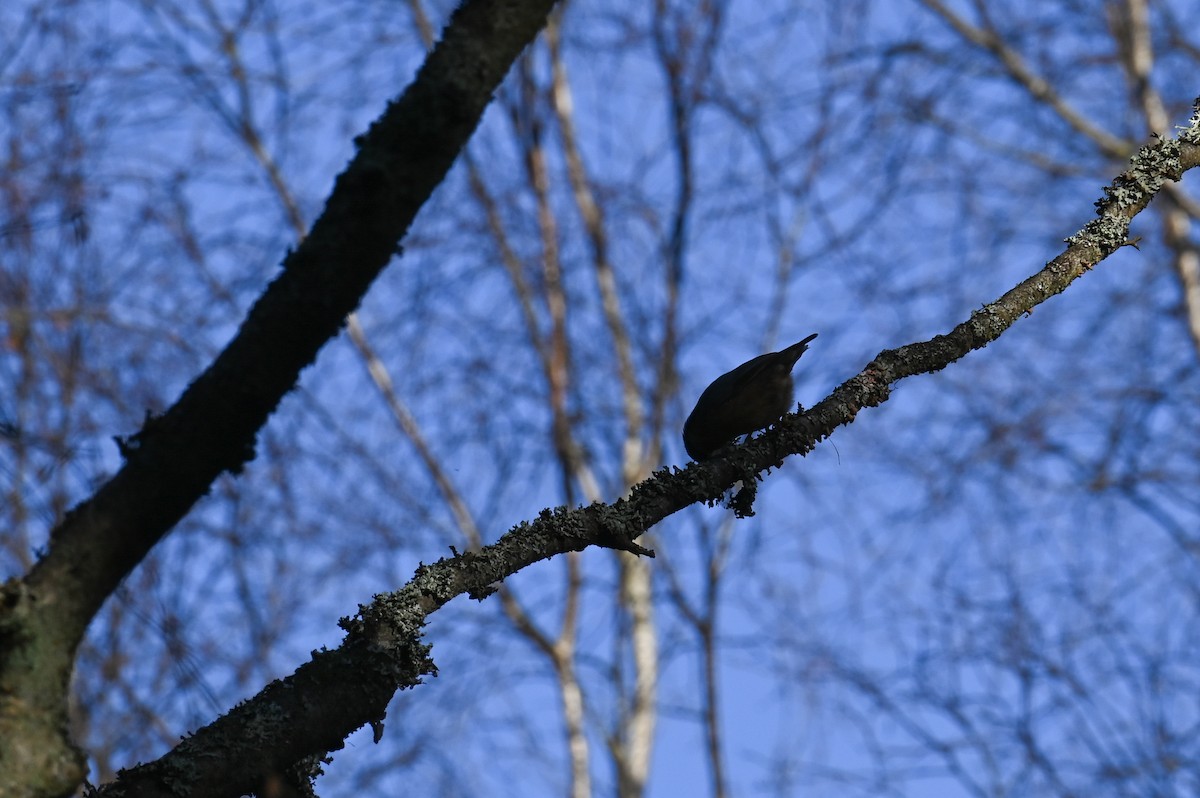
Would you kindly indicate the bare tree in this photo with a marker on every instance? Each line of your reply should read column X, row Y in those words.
column 652, row 197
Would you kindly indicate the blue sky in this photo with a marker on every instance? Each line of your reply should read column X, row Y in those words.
column 1004, row 548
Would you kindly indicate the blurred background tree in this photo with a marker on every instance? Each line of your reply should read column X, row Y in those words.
column 987, row 587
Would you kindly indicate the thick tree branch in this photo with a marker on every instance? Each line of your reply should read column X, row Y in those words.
column 311, row 711
column 174, row 458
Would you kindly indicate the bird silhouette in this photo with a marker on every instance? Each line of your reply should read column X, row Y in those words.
column 752, row 396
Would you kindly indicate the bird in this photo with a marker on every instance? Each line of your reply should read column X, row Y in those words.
column 753, row 396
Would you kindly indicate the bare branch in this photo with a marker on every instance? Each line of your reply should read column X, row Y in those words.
column 175, row 457
column 312, row 710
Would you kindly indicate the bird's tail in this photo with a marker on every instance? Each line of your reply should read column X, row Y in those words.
column 793, row 352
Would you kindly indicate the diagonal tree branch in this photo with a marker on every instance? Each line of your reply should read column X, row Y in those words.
column 172, row 461
column 311, row 711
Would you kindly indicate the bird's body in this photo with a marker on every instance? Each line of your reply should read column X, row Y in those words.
column 752, row 396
